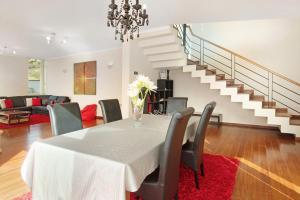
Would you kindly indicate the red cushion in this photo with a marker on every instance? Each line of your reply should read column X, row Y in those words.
column 36, row 101
column 89, row 112
column 9, row 103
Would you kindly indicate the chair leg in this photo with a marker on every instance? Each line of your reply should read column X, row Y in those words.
column 176, row 196
column 202, row 169
column 196, row 179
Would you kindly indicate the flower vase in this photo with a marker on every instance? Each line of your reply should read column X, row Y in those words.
column 138, row 113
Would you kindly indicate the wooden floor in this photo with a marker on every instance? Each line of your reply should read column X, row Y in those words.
column 269, row 169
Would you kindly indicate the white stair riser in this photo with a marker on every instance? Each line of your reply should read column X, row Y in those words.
column 240, row 98
column 198, row 73
column 189, row 68
column 251, row 105
column 167, row 56
column 163, row 49
column 264, row 112
column 169, row 64
column 167, row 30
column 228, row 91
column 158, row 41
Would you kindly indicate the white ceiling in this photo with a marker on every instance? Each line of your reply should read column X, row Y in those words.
column 25, row 23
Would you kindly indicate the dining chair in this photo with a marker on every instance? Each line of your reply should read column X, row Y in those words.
column 65, row 118
column 192, row 152
column 175, row 104
column 162, row 184
column 111, row 110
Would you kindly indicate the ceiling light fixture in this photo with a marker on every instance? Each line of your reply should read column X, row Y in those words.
column 5, row 50
column 127, row 20
column 51, row 38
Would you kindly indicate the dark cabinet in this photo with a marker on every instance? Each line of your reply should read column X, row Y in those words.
column 156, row 102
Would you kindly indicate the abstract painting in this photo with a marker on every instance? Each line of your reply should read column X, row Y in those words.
column 85, row 77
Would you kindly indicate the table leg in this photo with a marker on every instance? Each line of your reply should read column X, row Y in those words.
column 127, row 195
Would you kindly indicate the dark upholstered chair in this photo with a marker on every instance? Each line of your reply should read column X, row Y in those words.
column 162, row 184
column 65, row 118
column 111, row 110
column 175, row 104
column 192, row 152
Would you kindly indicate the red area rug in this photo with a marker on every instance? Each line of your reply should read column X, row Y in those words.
column 218, row 183
column 34, row 119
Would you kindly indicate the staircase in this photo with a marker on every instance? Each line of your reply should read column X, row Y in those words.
column 268, row 93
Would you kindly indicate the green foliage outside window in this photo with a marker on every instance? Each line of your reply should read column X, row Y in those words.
column 34, row 70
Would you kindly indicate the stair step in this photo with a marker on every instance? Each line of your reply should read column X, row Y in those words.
column 211, row 72
column 240, row 87
column 201, row 67
column 169, row 48
column 157, row 32
column 269, row 104
column 257, row 98
column 229, row 81
column 192, row 62
column 220, row 77
column 281, row 110
column 282, row 115
column 250, row 92
column 295, row 120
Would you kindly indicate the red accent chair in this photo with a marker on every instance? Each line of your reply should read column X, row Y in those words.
column 89, row 112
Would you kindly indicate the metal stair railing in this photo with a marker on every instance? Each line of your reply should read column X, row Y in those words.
column 274, row 86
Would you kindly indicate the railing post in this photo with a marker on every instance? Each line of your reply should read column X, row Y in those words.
column 202, row 51
column 232, row 66
column 184, row 35
column 270, row 86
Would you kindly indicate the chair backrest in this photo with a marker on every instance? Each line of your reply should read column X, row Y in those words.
column 198, row 143
column 175, row 104
column 111, row 110
column 171, row 152
column 65, row 118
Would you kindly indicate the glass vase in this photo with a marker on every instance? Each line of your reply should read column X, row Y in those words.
column 138, row 113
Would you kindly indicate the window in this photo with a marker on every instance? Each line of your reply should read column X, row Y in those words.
column 35, row 70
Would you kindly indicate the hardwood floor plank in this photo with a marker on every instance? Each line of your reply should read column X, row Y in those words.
column 269, row 161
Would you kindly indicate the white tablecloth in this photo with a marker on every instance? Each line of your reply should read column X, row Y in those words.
column 97, row 163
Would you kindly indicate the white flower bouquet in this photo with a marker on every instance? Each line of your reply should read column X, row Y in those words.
column 138, row 91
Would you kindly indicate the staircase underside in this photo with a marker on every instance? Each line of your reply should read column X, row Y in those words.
column 163, row 48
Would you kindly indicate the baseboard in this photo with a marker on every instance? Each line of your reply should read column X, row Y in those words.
column 99, row 117
column 250, row 126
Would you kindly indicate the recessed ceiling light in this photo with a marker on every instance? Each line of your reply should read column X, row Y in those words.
column 64, row 41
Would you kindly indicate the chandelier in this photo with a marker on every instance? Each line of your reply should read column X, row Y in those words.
column 125, row 20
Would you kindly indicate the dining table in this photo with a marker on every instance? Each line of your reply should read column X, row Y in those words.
column 104, row 162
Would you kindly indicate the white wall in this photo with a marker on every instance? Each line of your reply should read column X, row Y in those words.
column 272, row 43
column 59, row 76
column 134, row 60
column 13, row 75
